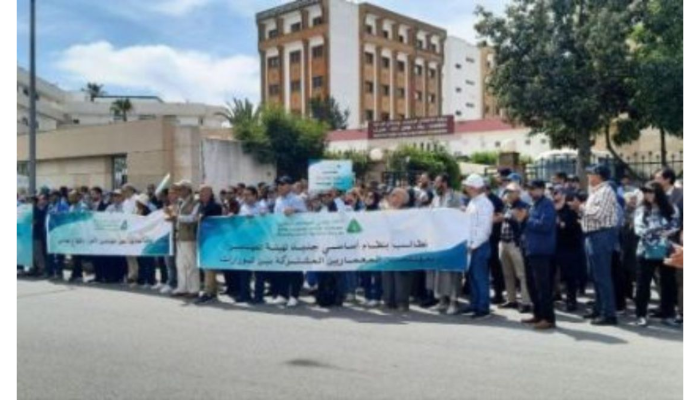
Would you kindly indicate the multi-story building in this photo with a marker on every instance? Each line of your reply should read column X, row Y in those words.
column 57, row 108
column 490, row 106
column 378, row 64
column 462, row 84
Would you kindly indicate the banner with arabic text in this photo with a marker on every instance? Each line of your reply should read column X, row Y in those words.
column 345, row 241
column 110, row 234
column 24, row 234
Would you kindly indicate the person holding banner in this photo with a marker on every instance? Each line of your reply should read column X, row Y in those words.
column 251, row 207
column 445, row 284
column 287, row 285
column 208, row 207
column 170, row 207
column 55, row 261
column 76, row 206
column 396, row 285
column 99, row 263
column 480, row 212
column 115, row 266
column 147, row 268
column 186, row 219
column 39, row 235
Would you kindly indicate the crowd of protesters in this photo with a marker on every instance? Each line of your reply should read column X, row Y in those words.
column 532, row 245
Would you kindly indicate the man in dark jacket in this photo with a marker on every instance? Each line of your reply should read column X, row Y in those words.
column 540, row 245
column 570, row 256
column 208, row 208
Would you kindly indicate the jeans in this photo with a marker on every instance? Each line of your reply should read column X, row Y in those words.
column 497, row 273
column 54, row 265
column 260, row 278
column 372, row 285
column 479, row 278
column 540, row 280
column 147, row 271
column 172, row 271
column 570, row 263
column 244, row 278
column 599, row 249
column 349, row 282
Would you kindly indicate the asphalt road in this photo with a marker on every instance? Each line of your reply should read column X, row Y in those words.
column 96, row 342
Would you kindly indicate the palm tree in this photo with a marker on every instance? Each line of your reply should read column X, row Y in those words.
column 240, row 111
column 94, row 90
column 121, row 107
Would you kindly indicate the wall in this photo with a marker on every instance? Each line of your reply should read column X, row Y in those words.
column 224, row 163
column 344, row 56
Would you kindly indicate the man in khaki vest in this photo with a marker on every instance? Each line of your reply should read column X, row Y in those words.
column 186, row 220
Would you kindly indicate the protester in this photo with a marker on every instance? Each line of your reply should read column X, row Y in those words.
column 55, row 262
column 76, row 205
column 39, row 249
column 540, row 236
column 599, row 222
column 495, row 267
column 655, row 222
column 116, row 267
column 147, row 269
column 208, row 207
column 480, row 214
column 396, row 285
column 186, row 219
column 570, row 255
column 287, row 285
column 501, row 180
column 511, row 253
column 445, row 284
column 251, row 207
column 170, row 208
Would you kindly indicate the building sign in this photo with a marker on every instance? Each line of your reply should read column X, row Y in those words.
column 430, row 126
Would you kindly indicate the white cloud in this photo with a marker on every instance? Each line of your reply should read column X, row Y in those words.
column 173, row 74
column 176, row 8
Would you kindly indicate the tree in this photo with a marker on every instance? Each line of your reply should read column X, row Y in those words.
column 94, row 90
column 484, row 157
column 562, row 67
column 412, row 160
column 326, row 109
column 658, row 54
column 239, row 111
column 287, row 140
column 121, row 107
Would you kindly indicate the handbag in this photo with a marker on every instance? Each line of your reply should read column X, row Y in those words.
column 656, row 251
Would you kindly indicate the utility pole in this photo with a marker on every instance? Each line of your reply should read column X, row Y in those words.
column 32, row 98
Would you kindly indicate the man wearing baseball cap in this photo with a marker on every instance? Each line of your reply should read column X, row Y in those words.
column 599, row 220
column 480, row 223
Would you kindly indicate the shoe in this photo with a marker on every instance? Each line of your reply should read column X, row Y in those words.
column 532, row 320
column 441, row 307
column 372, row 303
column 204, row 299
column 427, row 303
column 479, row 315
column 571, row 307
column 157, row 286
column 591, row 315
column 453, row 309
column 525, row 309
column 166, row 290
column 349, row 298
column 293, row 302
column 467, row 310
column 669, row 322
column 641, row 322
column 509, row 304
column 543, row 325
column 604, row 321
column 403, row 308
column 279, row 301
column 75, row 279
column 497, row 300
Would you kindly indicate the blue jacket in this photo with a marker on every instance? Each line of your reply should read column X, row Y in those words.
column 540, row 231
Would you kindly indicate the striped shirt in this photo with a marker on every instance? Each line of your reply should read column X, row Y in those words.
column 601, row 209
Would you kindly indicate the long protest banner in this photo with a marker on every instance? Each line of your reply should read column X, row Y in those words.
column 345, row 241
column 107, row 234
column 24, row 234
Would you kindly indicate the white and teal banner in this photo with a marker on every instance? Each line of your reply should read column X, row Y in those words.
column 24, row 234
column 110, row 234
column 380, row 241
column 328, row 174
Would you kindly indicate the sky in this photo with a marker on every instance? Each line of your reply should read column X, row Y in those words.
column 181, row 50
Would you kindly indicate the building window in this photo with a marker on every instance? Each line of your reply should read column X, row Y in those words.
column 402, row 38
column 432, row 72
column 295, row 57
column 421, row 44
column 386, row 62
column 274, row 90
column 296, row 86
column 386, row 90
column 317, row 21
column 470, row 60
column 458, row 89
column 317, row 52
column 369, row 115
column 470, row 83
column 369, row 87
column 369, row 58
column 273, row 62
column 433, row 47
column 317, row 82
column 432, row 98
column 273, row 34
column 296, row 27
column 401, row 65
column 401, row 92
column 385, row 116
column 386, row 34
column 419, row 95
column 458, row 113
column 458, row 66
column 470, row 105
column 369, row 29
column 419, row 70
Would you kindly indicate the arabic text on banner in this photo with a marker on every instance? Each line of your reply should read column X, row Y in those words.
column 24, row 234
column 106, row 234
column 382, row 240
column 328, row 174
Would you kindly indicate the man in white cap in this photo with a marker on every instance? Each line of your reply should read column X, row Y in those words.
column 186, row 220
column 480, row 216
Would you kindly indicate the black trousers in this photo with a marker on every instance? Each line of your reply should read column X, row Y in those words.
column 570, row 262
column 233, row 284
column 496, row 268
column 645, row 274
column 77, row 269
column 621, row 281
column 288, row 284
column 330, row 289
column 539, row 274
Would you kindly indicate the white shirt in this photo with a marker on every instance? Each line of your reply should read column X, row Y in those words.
column 129, row 205
column 258, row 208
column 480, row 216
column 289, row 201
